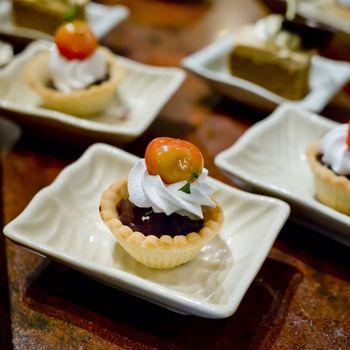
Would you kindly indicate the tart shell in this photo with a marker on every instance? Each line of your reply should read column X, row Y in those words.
column 331, row 189
column 83, row 102
column 166, row 251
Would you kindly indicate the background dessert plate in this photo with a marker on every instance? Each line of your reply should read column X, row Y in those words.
column 312, row 11
column 270, row 158
column 62, row 222
column 327, row 77
column 138, row 99
column 6, row 53
column 100, row 17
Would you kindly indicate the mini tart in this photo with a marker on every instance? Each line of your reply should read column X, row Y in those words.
column 166, row 251
column 331, row 189
column 83, row 102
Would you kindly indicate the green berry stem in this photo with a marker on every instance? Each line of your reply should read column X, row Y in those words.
column 187, row 187
column 71, row 13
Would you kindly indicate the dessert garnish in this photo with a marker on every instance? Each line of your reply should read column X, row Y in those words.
column 171, row 179
column 75, row 40
column 270, row 30
column 164, row 213
column 76, row 63
column 174, row 160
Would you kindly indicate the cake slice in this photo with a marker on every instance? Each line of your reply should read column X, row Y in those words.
column 46, row 15
column 272, row 58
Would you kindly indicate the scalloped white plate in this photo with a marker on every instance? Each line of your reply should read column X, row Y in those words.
column 62, row 222
column 327, row 77
column 6, row 53
column 137, row 101
column 270, row 158
column 313, row 11
column 101, row 18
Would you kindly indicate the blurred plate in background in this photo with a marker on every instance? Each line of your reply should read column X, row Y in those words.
column 101, row 18
column 142, row 93
column 327, row 77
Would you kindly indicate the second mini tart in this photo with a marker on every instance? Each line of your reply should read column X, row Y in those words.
column 163, row 252
column 83, row 102
column 331, row 189
column 77, row 76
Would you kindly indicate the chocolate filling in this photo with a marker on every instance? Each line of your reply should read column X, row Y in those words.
column 312, row 35
column 148, row 222
column 319, row 159
column 51, row 85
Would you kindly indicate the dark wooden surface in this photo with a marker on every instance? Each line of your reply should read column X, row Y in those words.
column 301, row 296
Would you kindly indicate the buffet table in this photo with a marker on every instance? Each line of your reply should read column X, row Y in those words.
column 300, row 298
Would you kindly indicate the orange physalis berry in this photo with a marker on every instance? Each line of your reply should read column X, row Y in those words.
column 75, row 40
column 174, row 160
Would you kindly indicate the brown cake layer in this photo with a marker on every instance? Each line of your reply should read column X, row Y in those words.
column 284, row 76
column 148, row 222
column 46, row 15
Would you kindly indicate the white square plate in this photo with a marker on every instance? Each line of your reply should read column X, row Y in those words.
column 101, row 18
column 270, row 158
column 327, row 77
column 312, row 11
column 137, row 101
column 62, row 222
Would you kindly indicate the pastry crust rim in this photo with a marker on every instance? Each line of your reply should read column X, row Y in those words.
column 340, row 181
column 213, row 218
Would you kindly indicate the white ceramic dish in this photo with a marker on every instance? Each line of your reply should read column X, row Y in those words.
column 270, row 158
column 101, row 18
column 327, row 77
column 312, row 11
column 142, row 93
column 62, row 222
column 6, row 53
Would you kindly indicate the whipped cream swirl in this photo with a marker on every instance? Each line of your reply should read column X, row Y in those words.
column 68, row 75
column 149, row 191
column 269, row 30
column 334, row 150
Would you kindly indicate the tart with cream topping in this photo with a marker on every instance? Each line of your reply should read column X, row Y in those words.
column 329, row 159
column 164, row 213
column 78, row 77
